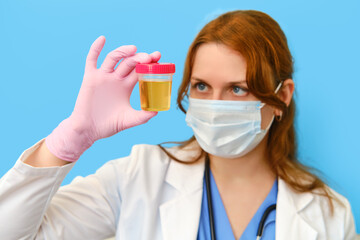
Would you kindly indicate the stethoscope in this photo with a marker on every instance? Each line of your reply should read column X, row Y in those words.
column 209, row 202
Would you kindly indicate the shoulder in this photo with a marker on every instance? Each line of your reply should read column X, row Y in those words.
column 315, row 209
column 336, row 208
column 149, row 158
column 338, row 219
column 141, row 155
column 145, row 163
column 146, row 168
column 316, row 199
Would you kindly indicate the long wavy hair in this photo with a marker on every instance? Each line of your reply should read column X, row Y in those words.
column 260, row 40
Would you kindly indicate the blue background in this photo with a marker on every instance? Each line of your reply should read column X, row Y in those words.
column 44, row 44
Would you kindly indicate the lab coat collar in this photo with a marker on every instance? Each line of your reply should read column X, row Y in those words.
column 186, row 178
column 180, row 215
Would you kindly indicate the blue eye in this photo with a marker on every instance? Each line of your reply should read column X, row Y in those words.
column 239, row 91
column 201, row 87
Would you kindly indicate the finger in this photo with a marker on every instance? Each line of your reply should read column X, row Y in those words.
column 138, row 118
column 128, row 64
column 132, row 79
column 155, row 56
column 116, row 55
column 94, row 52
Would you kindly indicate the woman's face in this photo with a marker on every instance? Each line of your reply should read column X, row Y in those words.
column 219, row 73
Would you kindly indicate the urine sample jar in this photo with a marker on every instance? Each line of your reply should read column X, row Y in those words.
column 155, row 85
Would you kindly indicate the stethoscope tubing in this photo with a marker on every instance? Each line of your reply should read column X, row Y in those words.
column 210, row 208
column 209, row 199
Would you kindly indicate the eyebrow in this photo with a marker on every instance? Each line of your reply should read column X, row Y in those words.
column 201, row 80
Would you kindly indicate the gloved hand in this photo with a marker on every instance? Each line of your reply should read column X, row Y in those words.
column 102, row 107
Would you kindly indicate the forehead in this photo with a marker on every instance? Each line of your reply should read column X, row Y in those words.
column 218, row 62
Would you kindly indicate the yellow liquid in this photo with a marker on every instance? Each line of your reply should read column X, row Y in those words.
column 155, row 95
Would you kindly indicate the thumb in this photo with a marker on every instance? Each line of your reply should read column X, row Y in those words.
column 138, row 118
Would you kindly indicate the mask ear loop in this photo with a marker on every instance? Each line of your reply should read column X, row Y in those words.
column 261, row 105
column 279, row 86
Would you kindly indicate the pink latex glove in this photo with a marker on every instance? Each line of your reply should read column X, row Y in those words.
column 102, row 107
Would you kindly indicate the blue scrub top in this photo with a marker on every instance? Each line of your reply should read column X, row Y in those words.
column 223, row 229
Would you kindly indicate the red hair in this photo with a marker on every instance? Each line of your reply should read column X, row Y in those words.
column 260, row 40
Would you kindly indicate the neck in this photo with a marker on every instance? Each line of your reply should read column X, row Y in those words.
column 249, row 169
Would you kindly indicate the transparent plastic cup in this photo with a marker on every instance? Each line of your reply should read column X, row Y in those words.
column 155, row 81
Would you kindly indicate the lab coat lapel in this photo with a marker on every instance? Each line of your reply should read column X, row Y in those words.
column 289, row 222
column 180, row 216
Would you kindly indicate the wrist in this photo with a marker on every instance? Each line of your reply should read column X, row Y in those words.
column 68, row 141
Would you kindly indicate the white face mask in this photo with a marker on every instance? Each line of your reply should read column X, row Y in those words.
column 228, row 129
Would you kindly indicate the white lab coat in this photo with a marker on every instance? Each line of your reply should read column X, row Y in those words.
column 143, row 196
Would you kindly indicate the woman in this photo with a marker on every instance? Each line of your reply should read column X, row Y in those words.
column 238, row 76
